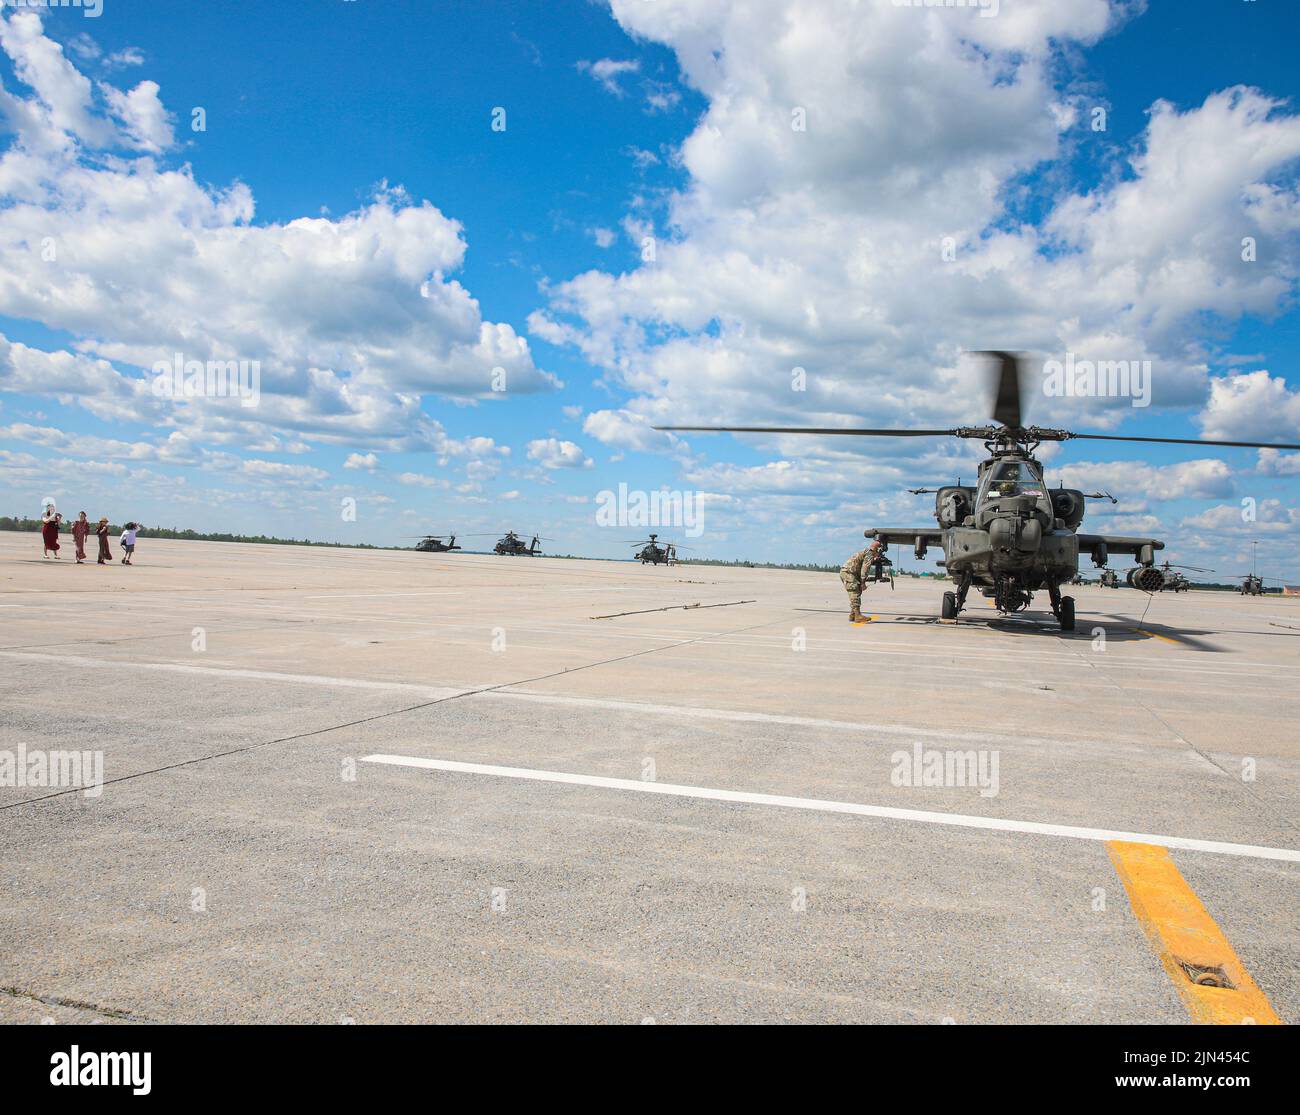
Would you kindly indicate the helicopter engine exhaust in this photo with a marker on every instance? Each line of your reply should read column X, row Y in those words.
column 1146, row 578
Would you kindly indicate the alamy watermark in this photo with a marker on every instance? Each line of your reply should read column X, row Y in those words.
column 214, row 379
column 987, row 8
column 928, row 766
column 1098, row 379
column 53, row 770
column 91, row 9
column 101, row 1068
column 663, row 508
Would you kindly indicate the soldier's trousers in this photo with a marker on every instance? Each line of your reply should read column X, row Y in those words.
column 853, row 587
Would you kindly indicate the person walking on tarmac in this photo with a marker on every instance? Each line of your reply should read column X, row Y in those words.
column 855, row 573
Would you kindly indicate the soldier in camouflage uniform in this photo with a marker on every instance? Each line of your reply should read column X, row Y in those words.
column 855, row 573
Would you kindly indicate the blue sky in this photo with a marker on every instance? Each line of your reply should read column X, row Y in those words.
column 333, row 122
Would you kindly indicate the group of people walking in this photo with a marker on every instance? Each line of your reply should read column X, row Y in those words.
column 82, row 528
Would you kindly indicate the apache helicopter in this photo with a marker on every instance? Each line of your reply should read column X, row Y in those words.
column 436, row 543
column 1009, row 535
column 1108, row 579
column 655, row 553
column 1176, row 582
column 1252, row 584
column 513, row 546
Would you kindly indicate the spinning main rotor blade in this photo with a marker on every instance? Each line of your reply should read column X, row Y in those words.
column 1184, row 441
column 1006, row 388
column 1030, row 433
column 810, row 430
column 1008, row 397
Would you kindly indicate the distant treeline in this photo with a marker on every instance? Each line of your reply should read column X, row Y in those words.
column 13, row 522
column 801, row 566
column 10, row 522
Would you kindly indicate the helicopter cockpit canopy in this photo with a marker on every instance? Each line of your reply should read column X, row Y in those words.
column 1011, row 478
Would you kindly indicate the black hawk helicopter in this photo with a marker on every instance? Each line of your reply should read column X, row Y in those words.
column 1009, row 535
column 655, row 552
column 436, row 543
column 513, row 546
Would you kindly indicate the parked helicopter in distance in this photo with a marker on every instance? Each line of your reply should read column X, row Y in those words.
column 655, row 552
column 1108, row 579
column 1009, row 535
column 1176, row 582
column 513, row 546
column 436, row 543
column 1252, row 584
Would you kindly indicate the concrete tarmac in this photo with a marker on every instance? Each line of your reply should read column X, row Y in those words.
column 271, row 844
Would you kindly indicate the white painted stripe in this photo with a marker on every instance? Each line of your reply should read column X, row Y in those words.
column 993, row 824
column 1065, row 663
column 639, row 708
column 634, row 707
column 376, row 595
column 432, row 692
column 1048, row 666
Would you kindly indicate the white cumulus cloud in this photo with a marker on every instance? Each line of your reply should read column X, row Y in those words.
column 552, row 453
column 353, row 320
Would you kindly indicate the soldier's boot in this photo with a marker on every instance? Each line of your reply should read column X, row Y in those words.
column 855, row 610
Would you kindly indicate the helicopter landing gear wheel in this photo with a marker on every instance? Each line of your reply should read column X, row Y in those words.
column 949, row 610
column 1066, row 615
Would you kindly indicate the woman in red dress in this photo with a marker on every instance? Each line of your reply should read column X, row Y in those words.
column 80, row 529
column 50, row 531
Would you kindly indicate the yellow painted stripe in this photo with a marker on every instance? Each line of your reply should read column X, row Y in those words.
column 1191, row 946
column 1153, row 635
